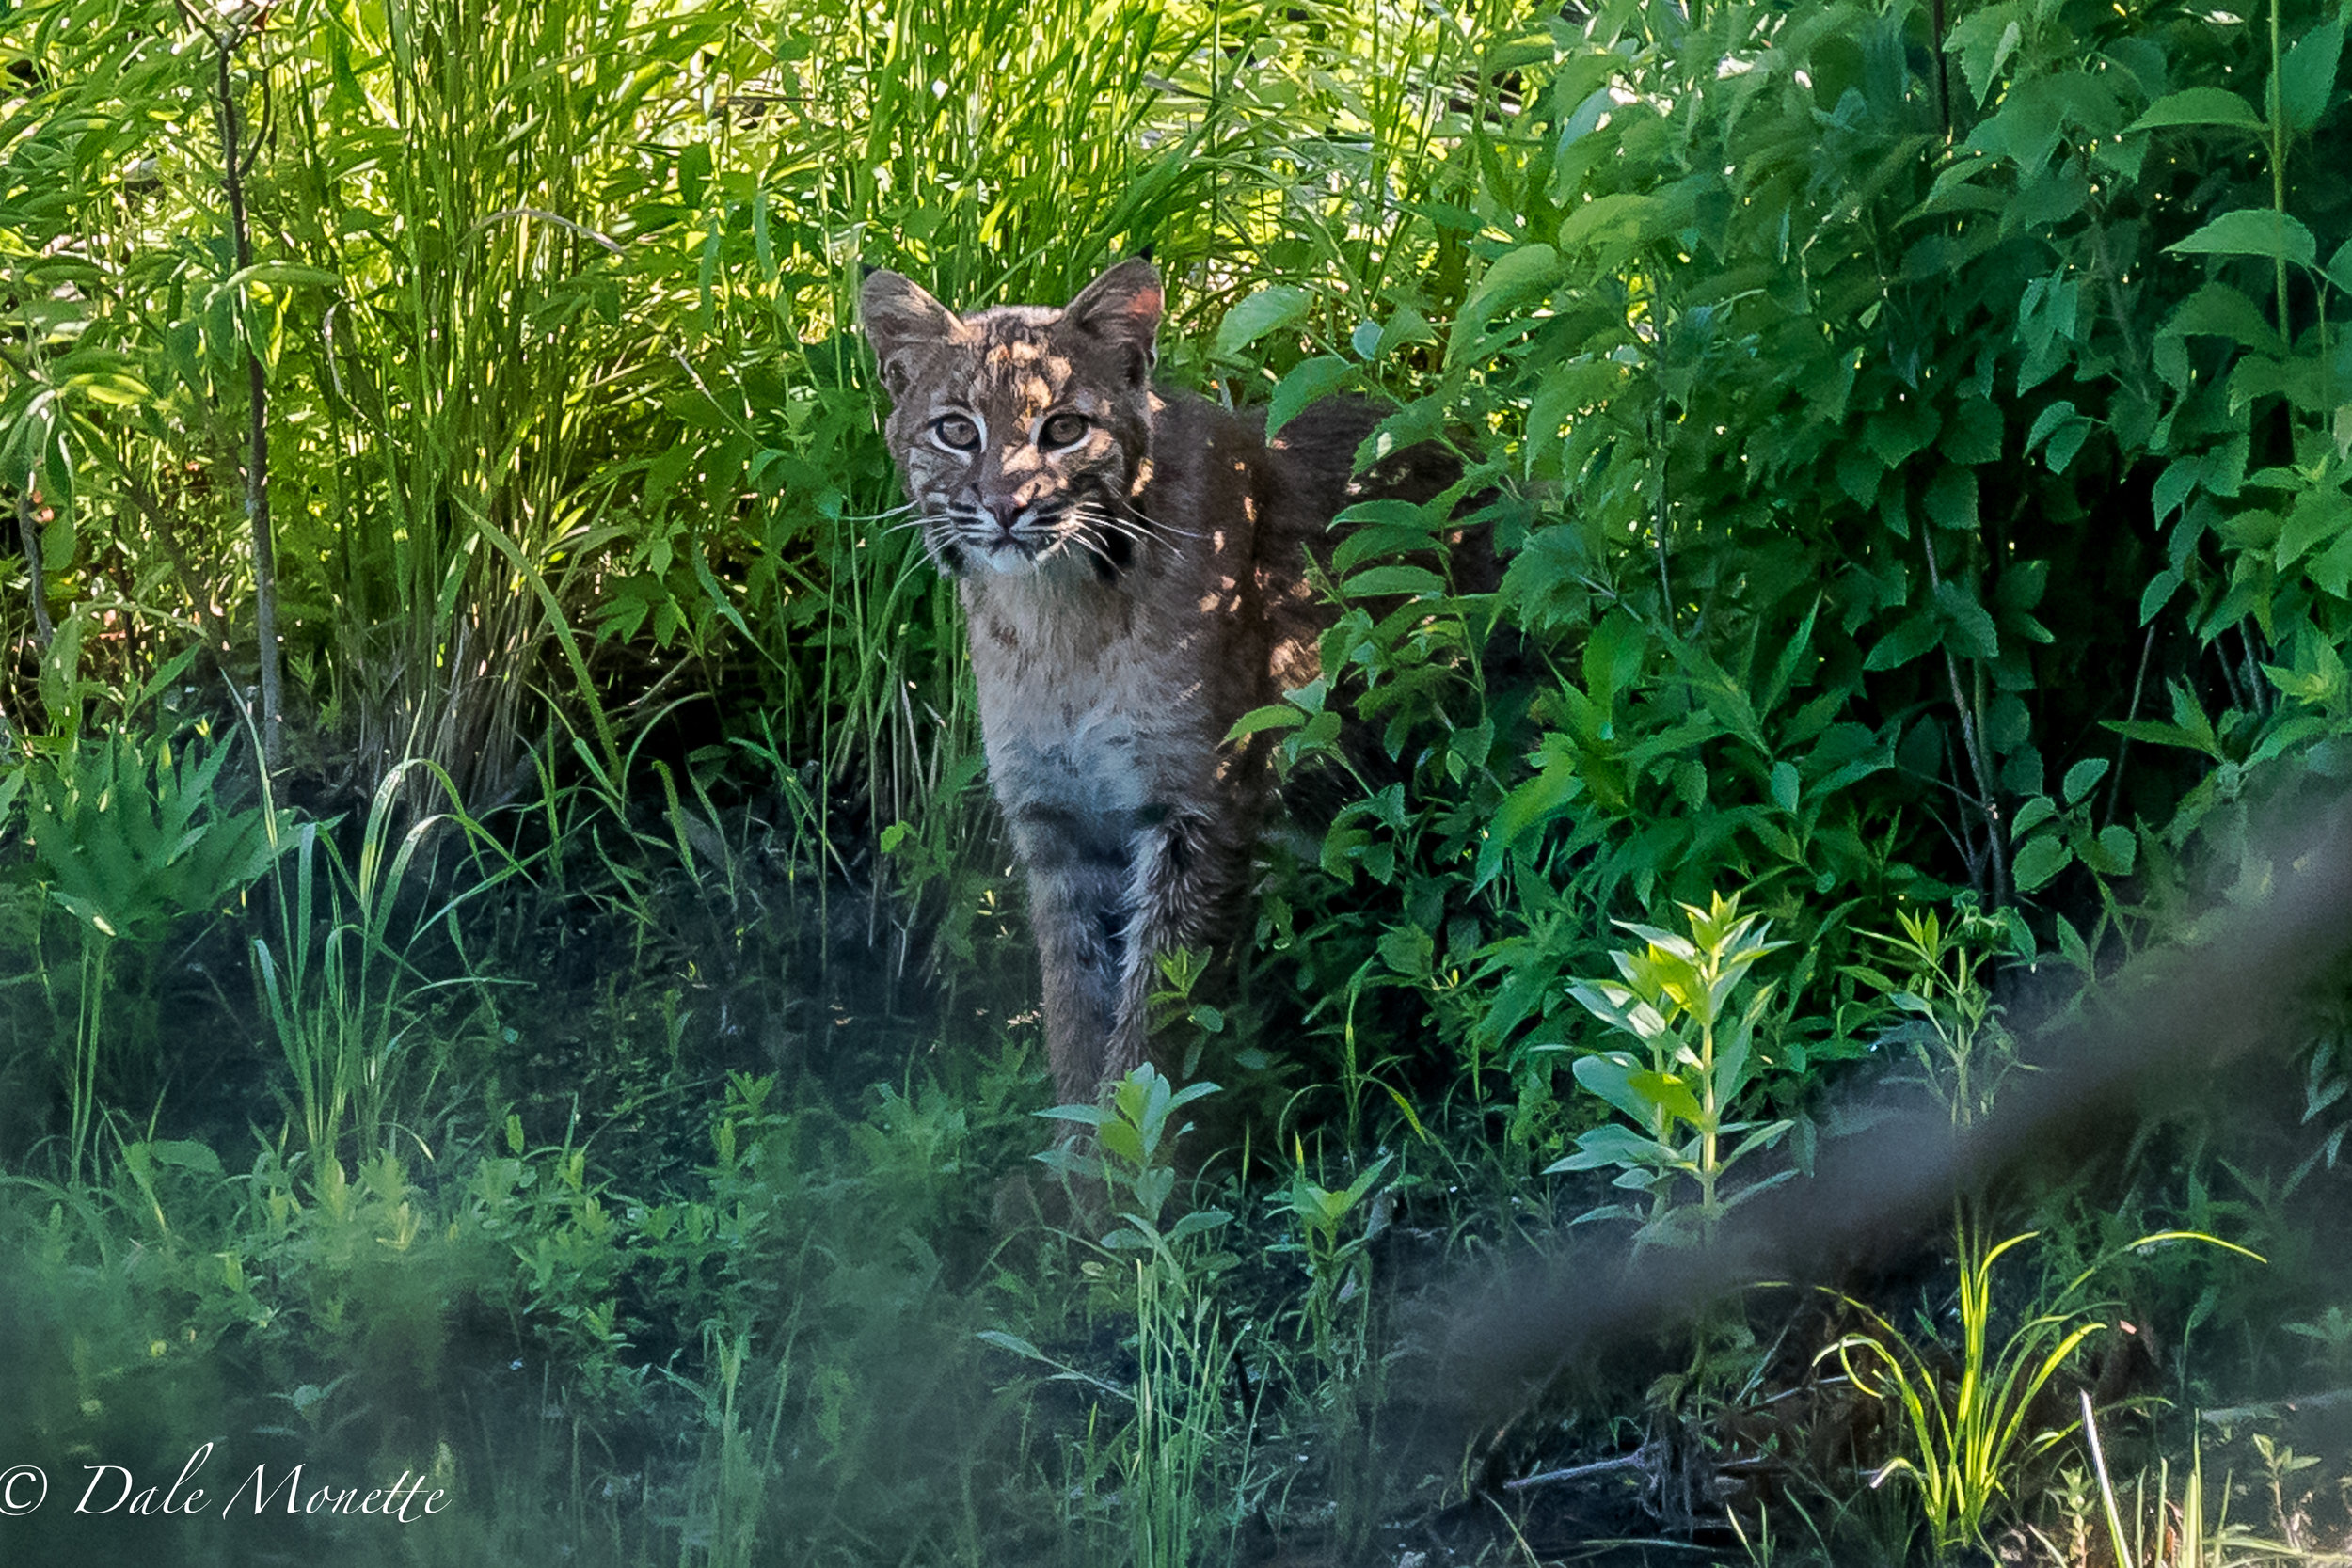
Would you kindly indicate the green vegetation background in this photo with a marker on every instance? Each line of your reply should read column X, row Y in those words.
column 574, row 1043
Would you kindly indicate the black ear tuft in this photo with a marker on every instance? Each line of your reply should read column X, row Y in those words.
column 1143, row 253
column 866, row 270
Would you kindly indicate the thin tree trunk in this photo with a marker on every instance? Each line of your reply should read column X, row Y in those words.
column 257, row 437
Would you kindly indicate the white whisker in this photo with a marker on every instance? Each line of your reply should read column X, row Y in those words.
column 1128, row 512
column 1096, row 528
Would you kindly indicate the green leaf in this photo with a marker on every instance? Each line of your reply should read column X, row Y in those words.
column 2065, row 442
column 2040, row 861
column 2308, row 77
column 1906, row 643
column 2219, row 311
column 1014, row 1343
column 1762, row 1138
column 1525, row 809
column 2118, row 851
column 693, row 174
column 1974, row 433
column 1308, row 380
column 1898, row 432
column 2082, row 778
column 1267, row 310
column 1374, row 581
column 1668, row 1093
column 2070, row 943
column 1530, row 270
column 59, row 542
column 1372, row 541
column 283, row 272
column 1610, row 1143
column 2318, row 517
column 1858, row 470
column 1952, row 499
column 2173, row 486
column 2332, row 568
column 1984, row 41
column 1605, row 218
column 2252, row 231
column 1191, row 1092
column 1611, row 1075
column 186, row 1155
column 1969, row 627
column 2023, row 585
column 2198, row 106
column 1275, row 716
column 2047, row 423
column 1564, row 390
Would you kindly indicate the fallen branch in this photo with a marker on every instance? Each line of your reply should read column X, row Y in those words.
column 1633, row 1461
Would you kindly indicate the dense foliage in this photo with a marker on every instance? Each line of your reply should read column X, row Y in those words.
column 510, row 970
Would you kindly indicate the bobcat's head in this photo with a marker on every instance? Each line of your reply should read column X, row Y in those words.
column 1024, row 433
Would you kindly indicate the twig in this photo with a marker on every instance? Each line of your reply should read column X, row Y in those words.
column 1577, row 1472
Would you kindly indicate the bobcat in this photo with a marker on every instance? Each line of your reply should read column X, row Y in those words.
column 1132, row 565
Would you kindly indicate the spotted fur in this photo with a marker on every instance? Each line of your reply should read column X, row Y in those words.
column 1132, row 561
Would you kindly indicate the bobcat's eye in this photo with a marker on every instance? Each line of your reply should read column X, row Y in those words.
column 1064, row 429
column 956, row 432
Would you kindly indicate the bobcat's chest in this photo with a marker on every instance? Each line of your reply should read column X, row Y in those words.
column 1093, row 728
column 1077, row 750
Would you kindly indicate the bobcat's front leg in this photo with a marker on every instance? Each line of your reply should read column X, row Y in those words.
column 1078, row 908
column 1187, row 874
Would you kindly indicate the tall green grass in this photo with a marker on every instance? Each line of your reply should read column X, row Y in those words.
column 472, row 175
column 555, row 305
column 340, row 981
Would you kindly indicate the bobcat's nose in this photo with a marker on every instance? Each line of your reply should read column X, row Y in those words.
column 1007, row 510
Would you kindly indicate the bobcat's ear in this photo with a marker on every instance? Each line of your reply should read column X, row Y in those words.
column 1122, row 308
column 901, row 321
